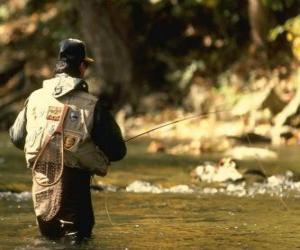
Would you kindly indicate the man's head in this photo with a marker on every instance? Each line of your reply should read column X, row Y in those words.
column 72, row 58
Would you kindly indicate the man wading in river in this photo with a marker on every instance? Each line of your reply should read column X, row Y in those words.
column 67, row 136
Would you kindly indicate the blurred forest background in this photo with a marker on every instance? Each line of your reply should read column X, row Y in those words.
column 162, row 59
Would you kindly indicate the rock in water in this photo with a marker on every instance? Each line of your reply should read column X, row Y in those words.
column 254, row 176
column 225, row 170
column 251, row 153
column 146, row 187
column 143, row 187
column 180, row 189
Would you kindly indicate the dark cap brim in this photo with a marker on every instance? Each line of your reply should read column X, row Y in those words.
column 88, row 60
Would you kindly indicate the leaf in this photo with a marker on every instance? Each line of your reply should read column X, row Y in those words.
column 275, row 32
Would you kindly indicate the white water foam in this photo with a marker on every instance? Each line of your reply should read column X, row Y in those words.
column 146, row 187
column 18, row 197
column 276, row 185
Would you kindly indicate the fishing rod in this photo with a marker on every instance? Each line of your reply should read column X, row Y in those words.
column 181, row 120
column 174, row 122
column 201, row 116
column 156, row 128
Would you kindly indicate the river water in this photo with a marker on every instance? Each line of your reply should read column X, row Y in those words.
column 187, row 218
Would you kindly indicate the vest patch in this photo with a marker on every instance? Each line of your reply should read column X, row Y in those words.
column 54, row 113
column 70, row 139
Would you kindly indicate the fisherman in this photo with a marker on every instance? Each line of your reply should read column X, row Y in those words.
column 90, row 136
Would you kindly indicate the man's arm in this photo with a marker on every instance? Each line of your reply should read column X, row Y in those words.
column 106, row 134
column 17, row 131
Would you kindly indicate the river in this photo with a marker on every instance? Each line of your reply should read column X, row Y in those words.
column 163, row 220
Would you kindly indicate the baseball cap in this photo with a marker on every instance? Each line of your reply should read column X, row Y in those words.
column 73, row 50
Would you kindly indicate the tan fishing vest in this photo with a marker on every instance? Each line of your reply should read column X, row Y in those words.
column 43, row 109
column 44, row 113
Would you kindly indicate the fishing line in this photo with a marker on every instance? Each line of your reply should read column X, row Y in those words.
column 106, row 209
column 156, row 128
column 181, row 120
column 256, row 158
column 201, row 116
column 174, row 122
column 105, row 201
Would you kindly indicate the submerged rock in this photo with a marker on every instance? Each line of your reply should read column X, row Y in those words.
column 251, row 176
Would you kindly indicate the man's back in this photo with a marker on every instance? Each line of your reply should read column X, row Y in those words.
column 87, row 137
column 44, row 112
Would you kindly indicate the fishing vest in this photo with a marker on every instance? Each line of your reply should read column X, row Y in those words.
column 44, row 108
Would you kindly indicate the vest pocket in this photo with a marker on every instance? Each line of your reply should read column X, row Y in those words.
column 71, row 140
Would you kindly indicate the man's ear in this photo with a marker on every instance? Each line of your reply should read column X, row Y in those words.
column 82, row 68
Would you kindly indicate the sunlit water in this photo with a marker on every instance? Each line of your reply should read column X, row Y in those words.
column 169, row 221
column 163, row 220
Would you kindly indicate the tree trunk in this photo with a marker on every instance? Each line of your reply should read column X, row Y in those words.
column 261, row 20
column 112, row 58
column 12, row 93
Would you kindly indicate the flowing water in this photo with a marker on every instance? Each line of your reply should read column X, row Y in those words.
column 187, row 218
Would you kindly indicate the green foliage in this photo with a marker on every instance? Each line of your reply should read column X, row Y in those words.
column 4, row 12
column 278, row 5
column 175, row 35
column 171, row 41
column 275, row 32
column 293, row 26
column 185, row 76
column 292, row 30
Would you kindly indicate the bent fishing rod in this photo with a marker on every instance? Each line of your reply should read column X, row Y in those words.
column 159, row 127
column 181, row 120
column 195, row 117
column 202, row 115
